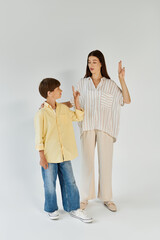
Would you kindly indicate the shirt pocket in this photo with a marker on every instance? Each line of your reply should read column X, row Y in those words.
column 63, row 118
column 106, row 100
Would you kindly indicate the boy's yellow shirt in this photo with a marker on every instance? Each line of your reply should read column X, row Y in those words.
column 54, row 132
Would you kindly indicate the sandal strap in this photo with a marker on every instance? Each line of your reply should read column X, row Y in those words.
column 110, row 203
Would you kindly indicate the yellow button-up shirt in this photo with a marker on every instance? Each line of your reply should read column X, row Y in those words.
column 54, row 132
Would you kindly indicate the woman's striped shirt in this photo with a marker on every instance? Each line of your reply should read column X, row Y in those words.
column 101, row 105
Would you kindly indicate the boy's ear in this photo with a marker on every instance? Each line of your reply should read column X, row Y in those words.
column 48, row 93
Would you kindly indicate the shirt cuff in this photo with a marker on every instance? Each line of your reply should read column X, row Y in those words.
column 40, row 147
column 80, row 114
column 81, row 110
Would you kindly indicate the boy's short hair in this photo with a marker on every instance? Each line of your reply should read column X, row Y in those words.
column 48, row 84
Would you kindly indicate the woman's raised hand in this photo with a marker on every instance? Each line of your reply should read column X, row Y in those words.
column 76, row 94
column 121, row 71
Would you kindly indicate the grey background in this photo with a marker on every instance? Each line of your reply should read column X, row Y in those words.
column 52, row 39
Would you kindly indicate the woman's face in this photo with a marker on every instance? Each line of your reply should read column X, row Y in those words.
column 94, row 65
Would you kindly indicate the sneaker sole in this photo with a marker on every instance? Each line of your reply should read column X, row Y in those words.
column 54, row 218
column 85, row 221
column 51, row 218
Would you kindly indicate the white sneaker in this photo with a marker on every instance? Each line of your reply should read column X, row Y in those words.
column 81, row 215
column 54, row 215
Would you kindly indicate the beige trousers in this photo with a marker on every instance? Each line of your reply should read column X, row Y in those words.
column 105, row 152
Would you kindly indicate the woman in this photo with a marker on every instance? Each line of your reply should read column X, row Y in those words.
column 101, row 99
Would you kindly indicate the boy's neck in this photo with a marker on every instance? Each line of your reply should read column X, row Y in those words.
column 51, row 102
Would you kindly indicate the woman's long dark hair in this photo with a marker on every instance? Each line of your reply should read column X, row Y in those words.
column 101, row 58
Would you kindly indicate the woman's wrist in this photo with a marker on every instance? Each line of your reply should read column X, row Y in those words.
column 121, row 78
column 122, row 81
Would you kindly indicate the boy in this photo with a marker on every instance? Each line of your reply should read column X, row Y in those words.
column 55, row 141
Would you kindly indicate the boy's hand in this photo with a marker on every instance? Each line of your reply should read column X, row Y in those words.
column 76, row 95
column 43, row 162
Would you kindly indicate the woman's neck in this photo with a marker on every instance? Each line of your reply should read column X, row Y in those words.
column 96, row 77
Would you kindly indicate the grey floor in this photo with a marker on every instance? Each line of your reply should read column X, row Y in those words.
column 135, row 219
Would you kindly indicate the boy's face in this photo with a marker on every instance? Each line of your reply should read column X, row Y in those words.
column 56, row 94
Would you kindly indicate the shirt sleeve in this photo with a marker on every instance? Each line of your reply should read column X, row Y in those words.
column 120, row 97
column 76, row 115
column 39, row 131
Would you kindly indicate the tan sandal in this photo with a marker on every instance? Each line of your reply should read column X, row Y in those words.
column 111, row 206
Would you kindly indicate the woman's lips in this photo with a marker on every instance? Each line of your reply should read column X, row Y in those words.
column 91, row 69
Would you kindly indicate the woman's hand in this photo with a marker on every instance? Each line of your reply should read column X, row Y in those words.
column 121, row 71
column 76, row 95
column 42, row 106
column 121, row 75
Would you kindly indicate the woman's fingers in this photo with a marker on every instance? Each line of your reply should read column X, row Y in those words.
column 123, row 70
column 119, row 66
column 73, row 91
column 77, row 93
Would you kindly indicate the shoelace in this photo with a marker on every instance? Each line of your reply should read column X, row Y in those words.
column 81, row 212
column 53, row 213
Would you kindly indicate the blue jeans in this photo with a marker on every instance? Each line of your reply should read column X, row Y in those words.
column 69, row 190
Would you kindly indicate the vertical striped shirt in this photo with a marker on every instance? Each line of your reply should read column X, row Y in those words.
column 101, row 105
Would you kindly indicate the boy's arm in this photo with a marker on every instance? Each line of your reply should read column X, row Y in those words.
column 68, row 104
column 78, row 115
column 39, row 130
column 39, row 139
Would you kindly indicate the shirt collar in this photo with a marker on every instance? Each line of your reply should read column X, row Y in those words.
column 47, row 105
column 100, row 83
column 101, row 78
